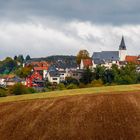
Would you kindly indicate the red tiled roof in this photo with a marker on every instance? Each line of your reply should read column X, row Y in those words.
column 40, row 68
column 132, row 59
column 87, row 62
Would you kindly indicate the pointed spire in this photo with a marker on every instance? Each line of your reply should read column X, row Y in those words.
column 122, row 45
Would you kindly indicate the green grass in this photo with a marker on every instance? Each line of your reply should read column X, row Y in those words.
column 54, row 94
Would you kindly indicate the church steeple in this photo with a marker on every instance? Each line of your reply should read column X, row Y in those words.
column 122, row 50
column 122, row 45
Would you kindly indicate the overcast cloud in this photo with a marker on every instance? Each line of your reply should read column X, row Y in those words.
column 48, row 27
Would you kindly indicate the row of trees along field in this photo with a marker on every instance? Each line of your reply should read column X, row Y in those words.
column 115, row 75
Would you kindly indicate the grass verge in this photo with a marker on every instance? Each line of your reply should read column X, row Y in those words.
column 84, row 91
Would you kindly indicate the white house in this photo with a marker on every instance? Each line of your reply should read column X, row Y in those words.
column 64, row 74
column 53, row 77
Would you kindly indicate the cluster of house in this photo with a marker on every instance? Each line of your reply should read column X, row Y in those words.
column 51, row 73
column 58, row 72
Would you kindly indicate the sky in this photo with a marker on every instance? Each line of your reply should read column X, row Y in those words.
column 42, row 28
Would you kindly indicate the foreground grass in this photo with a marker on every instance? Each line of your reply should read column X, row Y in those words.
column 54, row 94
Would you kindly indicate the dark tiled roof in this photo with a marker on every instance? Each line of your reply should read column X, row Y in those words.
column 106, row 55
column 54, row 74
column 64, row 65
column 98, row 61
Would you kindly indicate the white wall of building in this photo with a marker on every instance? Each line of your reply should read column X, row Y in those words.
column 122, row 55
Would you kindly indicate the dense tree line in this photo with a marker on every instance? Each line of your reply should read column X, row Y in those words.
column 115, row 75
column 9, row 64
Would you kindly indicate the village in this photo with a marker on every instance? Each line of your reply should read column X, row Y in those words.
column 57, row 72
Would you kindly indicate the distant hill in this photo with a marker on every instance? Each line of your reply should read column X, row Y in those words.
column 83, row 117
column 55, row 58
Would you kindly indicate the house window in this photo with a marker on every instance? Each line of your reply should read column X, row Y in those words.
column 54, row 78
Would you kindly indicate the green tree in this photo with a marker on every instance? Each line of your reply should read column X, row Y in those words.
column 20, row 59
column 7, row 65
column 18, row 89
column 108, row 76
column 28, row 58
column 126, row 75
column 99, row 72
column 15, row 57
column 87, row 76
column 23, row 72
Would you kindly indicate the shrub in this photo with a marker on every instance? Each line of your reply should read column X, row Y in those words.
column 82, row 85
column 61, row 86
column 31, row 90
column 97, row 83
column 18, row 89
column 72, row 86
column 3, row 93
column 138, row 78
column 70, row 80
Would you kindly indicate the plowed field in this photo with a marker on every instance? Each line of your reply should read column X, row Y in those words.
column 82, row 117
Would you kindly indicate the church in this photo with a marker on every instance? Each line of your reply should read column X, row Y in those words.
column 108, row 58
column 111, row 56
column 120, row 57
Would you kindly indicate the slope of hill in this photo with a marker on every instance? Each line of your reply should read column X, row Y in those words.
column 82, row 117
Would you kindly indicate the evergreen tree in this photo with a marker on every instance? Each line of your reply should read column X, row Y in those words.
column 15, row 57
column 20, row 58
column 87, row 76
column 28, row 58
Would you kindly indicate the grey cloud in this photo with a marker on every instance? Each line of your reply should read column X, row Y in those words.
column 99, row 11
column 47, row 27
column 40, row 40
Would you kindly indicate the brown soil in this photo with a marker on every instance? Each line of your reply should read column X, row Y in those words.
column 84, row 117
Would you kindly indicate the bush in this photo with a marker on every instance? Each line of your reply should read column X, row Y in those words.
column 70, row 80
column 31, row 90
column 61, row 86
column 72, row 86
column 18, row 89
column 138, row 78
column 82, row 85
column 97, row 83
column 3, row 93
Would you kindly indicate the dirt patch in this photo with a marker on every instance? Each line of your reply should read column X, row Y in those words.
column 83, row 117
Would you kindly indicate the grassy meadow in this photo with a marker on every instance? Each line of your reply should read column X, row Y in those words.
column 83, row 91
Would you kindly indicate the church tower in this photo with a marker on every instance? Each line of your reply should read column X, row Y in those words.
column 122, row 50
